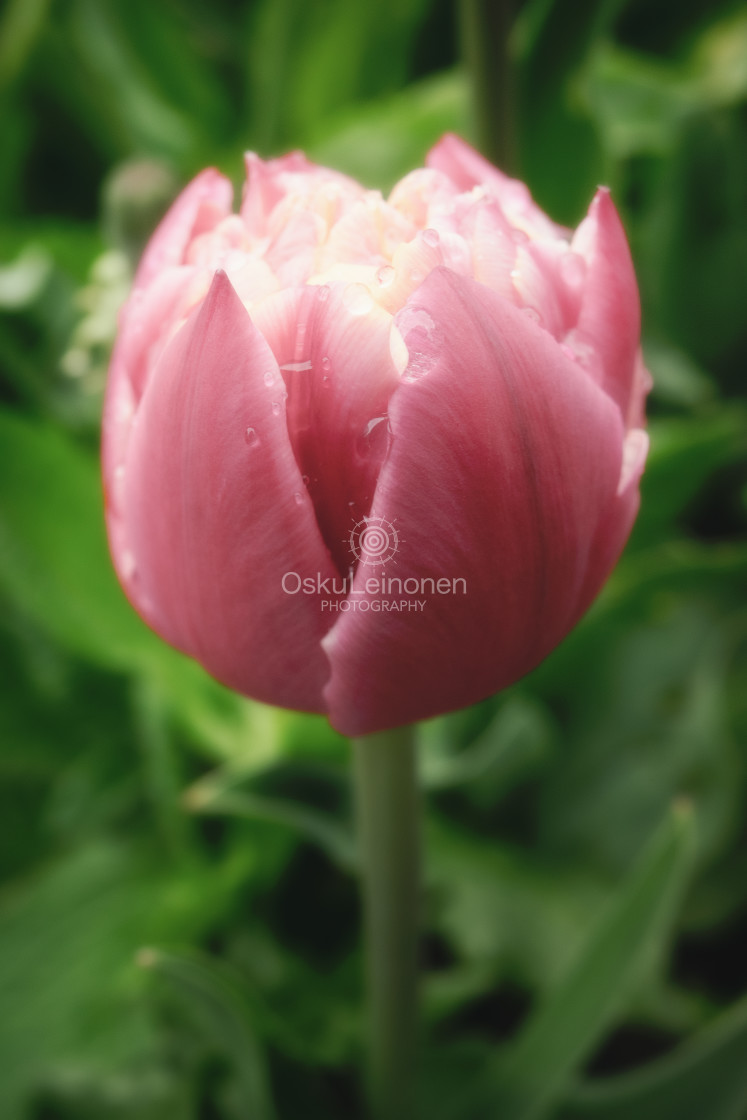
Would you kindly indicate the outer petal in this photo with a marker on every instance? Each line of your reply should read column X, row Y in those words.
column 215, row 513
column 147, row 322
column 609, row 321
column 199, row 208
column 505, row 463
column 614, row 528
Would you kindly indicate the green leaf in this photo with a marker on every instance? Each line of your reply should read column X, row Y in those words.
column 67, row 980
column 554, row 127
column 214, row 997
column 505, row 911
column 530, row 1078
column 514, row 742
column 706, row 1076
column 55, row 566
column 381, row 142
column 306, row 60
column 215, row 795
column 54, row 560
column 21, row 24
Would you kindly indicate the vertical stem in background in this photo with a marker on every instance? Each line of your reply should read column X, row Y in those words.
column 388, row 837
column 485, row 26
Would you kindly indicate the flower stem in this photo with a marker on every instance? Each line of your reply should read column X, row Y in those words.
column 484, row 28
column 388, row 835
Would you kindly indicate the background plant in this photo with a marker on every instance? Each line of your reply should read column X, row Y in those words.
column 178, row 921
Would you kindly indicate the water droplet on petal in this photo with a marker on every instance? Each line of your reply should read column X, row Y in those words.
column 416, row 320
column 581, row 351
column 430, row 236
column 125, row 408
column 298, row 496
column 269, row 378
column 420, row 364
column 250, row 437
column 325, row 382
column 276, row 408
column 305, row 479
column 421, row 340
column 357, row 299
column 386, row 275
column 372, row 424
column 568, row 352
column 296, row 367
column 326, row 363
column 533, row 314
column 519, row 237
column 128, row 565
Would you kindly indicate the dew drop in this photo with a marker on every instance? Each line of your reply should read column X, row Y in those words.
column 276, row 408
column 357, row 299
column 421, row 339
column 385, row 275
column 326, row 363
column 305, row 479
column 269, row 378
column 416, row 320
column 582, row 353
column 296, row 367
column 519, row 237
column 298, row 497
column 325, row 382
column 420, row 364
column 431, row 238
column 250, row 437
column 125, row 408
column 568, row 352
column 372, row 424
column 128, row 565
column 533, row 314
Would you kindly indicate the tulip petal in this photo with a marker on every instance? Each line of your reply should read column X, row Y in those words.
column 609, row 320
column 199, row 208
column 271, row 181
column 614, row 528
column 332, row 346
column 505, row 462
column 467, row 169
column 215, row 513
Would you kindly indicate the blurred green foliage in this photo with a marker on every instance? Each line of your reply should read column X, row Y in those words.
column 179, row 914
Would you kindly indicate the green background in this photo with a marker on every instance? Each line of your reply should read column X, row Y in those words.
column 179, row 910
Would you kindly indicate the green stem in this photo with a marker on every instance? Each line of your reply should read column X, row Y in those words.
column 388, row 833
column 485, row 26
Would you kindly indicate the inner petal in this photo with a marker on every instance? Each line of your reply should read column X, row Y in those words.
column 332, row 346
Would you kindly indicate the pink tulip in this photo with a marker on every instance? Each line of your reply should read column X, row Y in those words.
column 373, row 458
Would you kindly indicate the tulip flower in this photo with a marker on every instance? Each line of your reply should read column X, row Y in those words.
column 371, row 457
